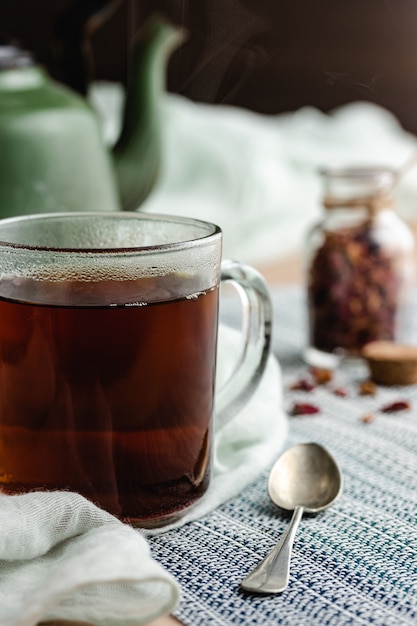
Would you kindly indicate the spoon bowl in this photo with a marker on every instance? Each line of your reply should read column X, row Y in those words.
column 306, row 478
column 305, row 475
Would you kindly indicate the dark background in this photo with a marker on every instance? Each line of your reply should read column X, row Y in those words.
column 270, row 56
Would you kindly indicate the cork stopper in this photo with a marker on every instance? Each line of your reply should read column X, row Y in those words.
column 391, row 363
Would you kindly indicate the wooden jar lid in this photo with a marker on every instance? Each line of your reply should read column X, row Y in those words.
column 391, row 363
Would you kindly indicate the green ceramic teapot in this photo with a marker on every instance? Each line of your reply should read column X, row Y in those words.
column 52, row 156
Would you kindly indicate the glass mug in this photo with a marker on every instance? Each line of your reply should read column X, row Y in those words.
column 108, row 338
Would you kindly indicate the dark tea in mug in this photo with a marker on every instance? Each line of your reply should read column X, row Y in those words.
column 108, row 342
column 113, row 401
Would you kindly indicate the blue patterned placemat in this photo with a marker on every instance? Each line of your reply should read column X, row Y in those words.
column 355, row 563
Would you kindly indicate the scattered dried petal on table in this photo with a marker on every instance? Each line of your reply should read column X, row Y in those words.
column 368, row 418
column 321, row 376
column 339, row 391
column 302, row 385
column 304, row 408
column 393, row 407
column 367, row 388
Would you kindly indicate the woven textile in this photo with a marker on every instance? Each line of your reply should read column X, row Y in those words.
column 355, row 563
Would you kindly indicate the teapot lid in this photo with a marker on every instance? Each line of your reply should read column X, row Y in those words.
column 12, row 57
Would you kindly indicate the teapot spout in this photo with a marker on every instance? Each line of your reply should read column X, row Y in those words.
column 138, row 151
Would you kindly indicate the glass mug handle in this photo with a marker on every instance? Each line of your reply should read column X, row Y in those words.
column 257, row 315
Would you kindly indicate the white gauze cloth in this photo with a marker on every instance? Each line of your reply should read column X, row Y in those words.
column 257, row 176
column 62, row 558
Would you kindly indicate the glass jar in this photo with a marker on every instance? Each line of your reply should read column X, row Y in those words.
column 360, row 265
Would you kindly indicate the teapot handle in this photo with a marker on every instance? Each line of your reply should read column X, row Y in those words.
column 257, row 315
column 73, row 28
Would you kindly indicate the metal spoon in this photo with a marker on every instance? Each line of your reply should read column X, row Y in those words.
column 305, row 478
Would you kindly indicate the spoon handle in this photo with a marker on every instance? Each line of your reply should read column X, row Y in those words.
column 272, row 574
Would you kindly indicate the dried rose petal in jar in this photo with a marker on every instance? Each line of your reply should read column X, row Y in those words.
column 361, row 262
